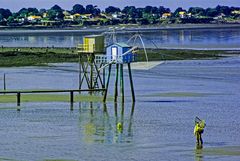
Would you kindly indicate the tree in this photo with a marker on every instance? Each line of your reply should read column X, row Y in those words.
column 33, row 11
column 211, row 12
column 60, row 16
column 5, row 13
column 197, row 11
column 90, row 9
column 148, row 9
column 42, row 10
column 224, row 9
column 162, row 10
column 51, row 14
column 131, row 11
column 56, row 8
column 112, row 9
column 179, row 9
column 77, row 8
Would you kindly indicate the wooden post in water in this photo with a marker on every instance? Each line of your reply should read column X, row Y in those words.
column 116, row 84
column 71, row 100
column 131, row 82
column 106, row 90
column 122, row 82
column 4, row 82
column 18, row 100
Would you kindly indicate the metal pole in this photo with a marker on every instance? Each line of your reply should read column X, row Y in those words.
column 131, row 82
column 106, row 90
column 116, row 83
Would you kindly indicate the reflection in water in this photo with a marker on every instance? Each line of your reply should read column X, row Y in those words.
column 98, row 126
column 178, row 38
column 198, row 155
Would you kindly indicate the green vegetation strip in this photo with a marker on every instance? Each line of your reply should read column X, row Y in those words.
column 36, row 56
column 51, row 98
column 24, row 56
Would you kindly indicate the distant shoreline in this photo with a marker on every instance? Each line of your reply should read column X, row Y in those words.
column 118, row 28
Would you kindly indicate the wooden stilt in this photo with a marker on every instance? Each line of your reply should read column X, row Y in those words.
column 104, row 73
column 106, row 90
column 80, row 73
column 85, row 68
column 131, row 82
column 116, row 84
column 98, row 74
column 91, row 73
column 122, row 82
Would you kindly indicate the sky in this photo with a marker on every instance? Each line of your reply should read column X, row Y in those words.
column 16, row 5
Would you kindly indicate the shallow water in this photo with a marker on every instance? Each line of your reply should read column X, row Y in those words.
column 160, row 127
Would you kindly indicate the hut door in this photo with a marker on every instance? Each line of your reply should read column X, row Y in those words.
column 114, row 53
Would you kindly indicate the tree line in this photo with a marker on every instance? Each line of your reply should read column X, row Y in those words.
column 129, row 14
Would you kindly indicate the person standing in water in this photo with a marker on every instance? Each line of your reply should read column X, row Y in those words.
column 198, row 131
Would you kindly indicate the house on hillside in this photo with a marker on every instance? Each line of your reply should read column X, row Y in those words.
column 166, row 15
column 34, row 18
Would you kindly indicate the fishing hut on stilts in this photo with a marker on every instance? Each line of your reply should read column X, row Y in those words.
column 94, row 58
column 88, row 67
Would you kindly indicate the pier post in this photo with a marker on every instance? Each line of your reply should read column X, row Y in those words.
column 4, row 82
column 71, row 97
column 116, row 83
column 122, row 82
column 18, row 99
column 71, row 100
column 106, row 90
column 131, row 82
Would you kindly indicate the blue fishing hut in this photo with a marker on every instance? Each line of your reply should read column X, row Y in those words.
column 117, row 52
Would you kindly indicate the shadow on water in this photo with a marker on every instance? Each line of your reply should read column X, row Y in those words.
column 228, row 151
column 98, row 125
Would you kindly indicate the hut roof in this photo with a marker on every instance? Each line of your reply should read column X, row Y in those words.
column 121, row 44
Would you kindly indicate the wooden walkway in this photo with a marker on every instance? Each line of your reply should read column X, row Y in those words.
column 49, row 91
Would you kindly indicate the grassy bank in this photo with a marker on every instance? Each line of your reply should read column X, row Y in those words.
column 183, row 54
column 43, row 56
column 36, row 56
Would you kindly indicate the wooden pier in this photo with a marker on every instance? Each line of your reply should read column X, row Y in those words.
column 70, row 91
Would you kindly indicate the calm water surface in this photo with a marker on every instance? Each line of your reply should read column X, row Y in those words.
column 158, row 127
column 228, row 38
